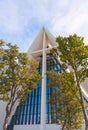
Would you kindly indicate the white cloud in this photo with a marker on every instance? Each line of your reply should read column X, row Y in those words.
column 16, row 15
column 21, row 20
column 9, row 17
column 73, row 21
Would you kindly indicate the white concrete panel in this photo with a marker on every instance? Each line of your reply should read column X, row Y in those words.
column 2, row 113
column 27, row 127
column 37, row 127
column 85, row 88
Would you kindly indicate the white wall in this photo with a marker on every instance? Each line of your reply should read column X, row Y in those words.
column 37, row 127
column 2, row 113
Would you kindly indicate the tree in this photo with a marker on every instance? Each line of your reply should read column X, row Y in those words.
column 74, row 55
column 18, row 77
column 2, row 67
column 68, row 110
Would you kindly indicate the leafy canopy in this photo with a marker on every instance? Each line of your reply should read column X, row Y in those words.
column 68, row 110
column 74, row 53
column 18, row 75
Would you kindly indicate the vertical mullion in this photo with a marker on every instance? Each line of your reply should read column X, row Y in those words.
column 33, row 103
column 30, row 109
column 26, row 110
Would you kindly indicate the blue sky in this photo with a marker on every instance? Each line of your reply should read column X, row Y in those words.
column 21, row 20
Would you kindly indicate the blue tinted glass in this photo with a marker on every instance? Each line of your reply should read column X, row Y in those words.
column 30, row 111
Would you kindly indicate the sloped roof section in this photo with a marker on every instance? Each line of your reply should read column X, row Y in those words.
column 38, row 42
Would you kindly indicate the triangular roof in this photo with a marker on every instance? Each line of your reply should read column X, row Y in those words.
column 37, row 45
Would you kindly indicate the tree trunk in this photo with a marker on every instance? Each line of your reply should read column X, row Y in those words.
column 63, row 125
column 83, row 109
column 8, row 112
column 82, row 102
column 86, row 125
column 5, row 125
column 9, row 108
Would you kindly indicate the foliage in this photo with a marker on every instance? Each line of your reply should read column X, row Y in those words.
column 18, row 76
column 68, row 110
column 73, row 54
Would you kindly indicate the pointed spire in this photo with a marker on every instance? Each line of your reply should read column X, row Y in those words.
column 38, row 42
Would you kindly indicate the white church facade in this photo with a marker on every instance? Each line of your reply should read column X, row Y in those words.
column 36, row 113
